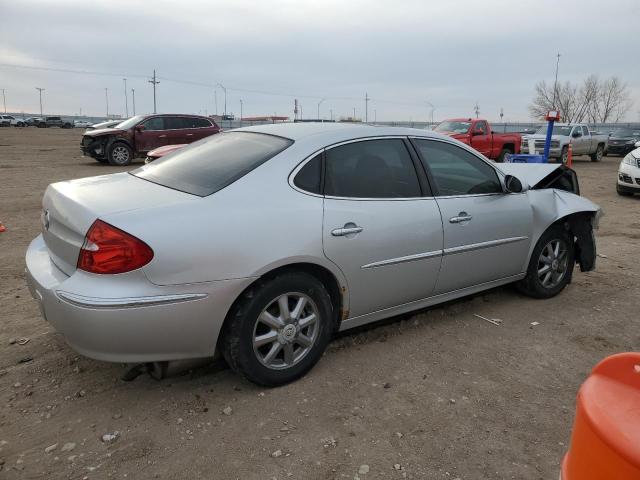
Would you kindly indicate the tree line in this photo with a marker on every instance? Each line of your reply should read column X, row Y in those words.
column 593, row 101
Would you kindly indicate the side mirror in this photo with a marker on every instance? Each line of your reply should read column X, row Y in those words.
column 139, row 128
column 477, row 132
column 512, row 184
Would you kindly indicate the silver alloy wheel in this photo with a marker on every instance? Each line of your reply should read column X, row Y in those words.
column 553, row 263
column 286, row 330
column 599, row 153
column 120, row 154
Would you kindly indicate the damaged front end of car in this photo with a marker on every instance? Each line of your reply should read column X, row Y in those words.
column 95, row 147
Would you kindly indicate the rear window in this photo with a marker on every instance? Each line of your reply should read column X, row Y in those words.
column 213, row 163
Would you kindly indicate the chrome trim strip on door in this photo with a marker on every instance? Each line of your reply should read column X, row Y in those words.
column 129, row 302
column 478, row 246
column 408, row 258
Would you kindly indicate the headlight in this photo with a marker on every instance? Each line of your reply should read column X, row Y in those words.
column 629, row 160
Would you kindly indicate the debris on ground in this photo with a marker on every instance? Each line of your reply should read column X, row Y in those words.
column 276, row 454
column 25, row 359
column 110, row 437
column 534, row 323
column 495, row 321
column 67, row 447
column 227, row 411
column 51, row 448
column 363, row 470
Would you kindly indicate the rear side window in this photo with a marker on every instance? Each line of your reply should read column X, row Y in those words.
column 175, row 123
column 199, row 123
column 213, row 163
column 371, row 169
column 309, row 177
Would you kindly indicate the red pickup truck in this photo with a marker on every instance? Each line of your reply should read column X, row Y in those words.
column 478, row 134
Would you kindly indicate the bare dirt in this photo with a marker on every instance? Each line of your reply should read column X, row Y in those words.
column 439, row 394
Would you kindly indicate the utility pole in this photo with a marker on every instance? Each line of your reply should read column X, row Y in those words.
column 154, row 82
column 555, row 83
column 126, row 100
column 322, row 100
column 477, row 109
column 331, row 114
column 502, row 115
column 106, row 97
column 4, row 101
column 375, row 116
column 366, row 107
column 225, row 98
column 133, row 100
column 215, row 98
column 40, row 90
column 432, row 109
column 240, row 112
column 354, row 114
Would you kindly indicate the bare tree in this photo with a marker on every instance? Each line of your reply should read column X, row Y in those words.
column 594, row 100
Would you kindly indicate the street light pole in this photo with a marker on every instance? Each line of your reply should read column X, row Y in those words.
column 106, row 97
column 321, row 100
column 555, row 83
column 225, row 98
column 366, row 107
column 4, row 101
column 40, row 90
column 240, row 112
column 126, row 100
column 432, row 109
column 133, row 100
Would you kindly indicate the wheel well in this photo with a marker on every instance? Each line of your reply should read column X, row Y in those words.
column 509, row 146
column 581, row 227
column 322, row 274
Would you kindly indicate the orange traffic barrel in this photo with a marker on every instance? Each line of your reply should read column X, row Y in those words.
column 605, row 444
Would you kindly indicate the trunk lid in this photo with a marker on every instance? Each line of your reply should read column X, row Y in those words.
column 70, row 208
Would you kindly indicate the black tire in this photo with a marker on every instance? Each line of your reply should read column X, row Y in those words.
column 596, row 157
column 564, row 155
column 622, row 192
column 20, row 124
column 532, row 285
column 503, row 152
column 120, row 154
column 241, row 327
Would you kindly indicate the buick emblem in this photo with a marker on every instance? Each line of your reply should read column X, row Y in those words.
column 46, row 219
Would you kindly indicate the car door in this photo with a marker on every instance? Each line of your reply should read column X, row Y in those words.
column 152, row 136
column 481, row 138
column 380, row 227
column 587, row 141
column 577, row 141
column 487, row 233
column 176, row 129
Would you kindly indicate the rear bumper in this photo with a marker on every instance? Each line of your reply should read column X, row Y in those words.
column 133, row 320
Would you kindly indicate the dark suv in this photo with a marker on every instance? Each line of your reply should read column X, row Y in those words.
column 54, row 122
column 136, row 136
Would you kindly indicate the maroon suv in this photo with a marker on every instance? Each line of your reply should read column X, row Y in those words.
column 136, row 136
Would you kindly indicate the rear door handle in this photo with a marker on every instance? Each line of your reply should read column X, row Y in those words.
column 162, row 136
column 348, row 229
column 461, row 218
column 189, row 134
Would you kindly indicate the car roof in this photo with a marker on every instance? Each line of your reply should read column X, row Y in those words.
column 336, row 132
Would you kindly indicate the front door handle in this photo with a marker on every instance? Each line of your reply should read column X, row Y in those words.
column 461, row 218
column 162, row 136
column 348, row 229
column 189, row 134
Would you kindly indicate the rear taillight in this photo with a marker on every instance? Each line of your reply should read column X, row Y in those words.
column 107, row 249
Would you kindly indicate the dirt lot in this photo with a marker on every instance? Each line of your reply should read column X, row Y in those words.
column 440, row 394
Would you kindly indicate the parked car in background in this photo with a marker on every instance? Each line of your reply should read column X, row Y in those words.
column 33, row 121
column 582, row 140
column 12, row 121
column 162, row 151
column 140, row 134
column 623, row 140
column 81, row 123
column 629, row 173
column 107, row 124
column 477, row 133
column 262, row 242
column 54, row 122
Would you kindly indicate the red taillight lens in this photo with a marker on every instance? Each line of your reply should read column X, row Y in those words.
column 107, row 249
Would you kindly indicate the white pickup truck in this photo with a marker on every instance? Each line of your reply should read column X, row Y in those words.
column 582, row 140
column 6, row 120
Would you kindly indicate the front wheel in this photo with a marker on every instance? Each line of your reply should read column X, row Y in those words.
column 596, row 157
column 551, row 264
column 503, row 153
column 564, row 156
column 120, row 154
column 279, row 329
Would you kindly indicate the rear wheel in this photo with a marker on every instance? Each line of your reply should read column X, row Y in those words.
column 564, row 156
column 120, row 154
column 503, row 153
column 279, row 329
column 551, row 265
column 596, row 157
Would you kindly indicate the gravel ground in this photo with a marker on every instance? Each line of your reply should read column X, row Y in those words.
column 439, row 394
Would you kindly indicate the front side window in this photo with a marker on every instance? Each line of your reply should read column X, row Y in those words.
column 371, row 169
column 457, row 171
column 154, row 123
column 577, row 131
column 209, row 165
column 481, row 127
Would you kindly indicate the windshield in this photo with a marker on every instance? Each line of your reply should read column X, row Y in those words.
column 564, row 130
column 213, row 163
column 455, row 127
column 127, row 124
column 626, row 132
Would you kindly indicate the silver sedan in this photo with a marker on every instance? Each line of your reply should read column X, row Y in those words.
column 261, row 242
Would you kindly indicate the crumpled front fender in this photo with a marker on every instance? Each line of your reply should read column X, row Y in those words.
column 580, row 216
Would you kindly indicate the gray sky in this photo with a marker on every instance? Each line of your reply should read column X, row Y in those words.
column 404, row 54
